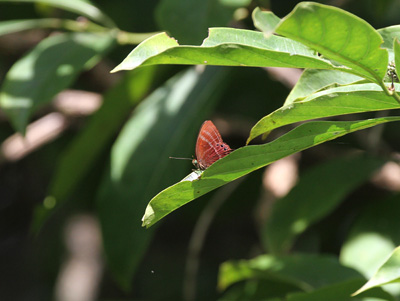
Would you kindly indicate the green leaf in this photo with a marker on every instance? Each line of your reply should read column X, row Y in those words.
column 84, row 151
column 307, row 272
column 307, row 203
column 351, row 99
column 197, row 17
column 163, row 125
column 397, row 55
column 257, row 290
column 338, row 35
column 388, row 35
column 226, row 47
column 249, row 158
column 46, row 70
column 374, row 235
column 265, row 21
column 340, row 291
column 389, row 272
column 83, row 8
column 313, row 80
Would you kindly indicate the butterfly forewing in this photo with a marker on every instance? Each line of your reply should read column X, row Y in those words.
column 209, row 146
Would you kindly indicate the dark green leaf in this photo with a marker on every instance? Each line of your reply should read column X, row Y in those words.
column 338, row 35
column 197, row 17
column 163, row 125
column 307, row 272
column 83, row 8
column 307, row 202
column 340, row 291
column 48, row 69
column 249, row 158
column 374, row 235
column 85, row 150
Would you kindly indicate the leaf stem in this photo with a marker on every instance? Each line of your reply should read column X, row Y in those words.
column 388, row 92
column 80, row 25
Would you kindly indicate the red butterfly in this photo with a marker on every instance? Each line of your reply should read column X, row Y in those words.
column 209, row 146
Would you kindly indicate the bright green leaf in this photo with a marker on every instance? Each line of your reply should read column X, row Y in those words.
column 357, row 98
column 265, row 21
column 313, row 80
column 226, row 47
column 389, row 272
column 249, row 158
column 307, row 203
column 164, row 124
column 46, row 70
column 338, row 35
column 397, row 56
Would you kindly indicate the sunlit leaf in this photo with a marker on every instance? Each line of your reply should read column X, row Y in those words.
column 226, row 47
column 389, row 272
column 355, row 98
column 247, row 159
column 313, row 80
column 338, row 35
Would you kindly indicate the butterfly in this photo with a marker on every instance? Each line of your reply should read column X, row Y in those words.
column 209, row 146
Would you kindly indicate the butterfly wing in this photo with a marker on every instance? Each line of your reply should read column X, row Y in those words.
column 209, row 146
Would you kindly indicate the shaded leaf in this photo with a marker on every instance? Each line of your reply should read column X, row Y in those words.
column 79, row 7
column 389, row 272
column 197, row 17
column 164, row 124
column 226, row 47
column 307, row 272
column 338, row 35
column 389, row 34
column 307, row 203
column 340, row 291
column 249, row 158
column 46, row 70
column 351, row 99
column 374, row 235
column 84, row 151
column 265, row 21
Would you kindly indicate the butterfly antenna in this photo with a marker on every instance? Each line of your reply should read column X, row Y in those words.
column 180, row 158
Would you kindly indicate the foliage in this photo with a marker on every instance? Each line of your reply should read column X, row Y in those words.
column 117, row 164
